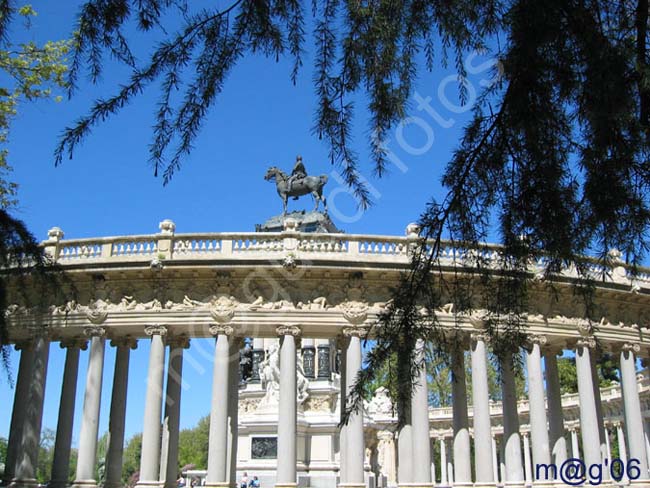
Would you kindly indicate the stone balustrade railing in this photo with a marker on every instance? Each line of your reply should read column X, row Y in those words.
column 168, row 246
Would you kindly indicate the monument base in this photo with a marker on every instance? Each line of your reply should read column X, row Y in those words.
column 307, row 222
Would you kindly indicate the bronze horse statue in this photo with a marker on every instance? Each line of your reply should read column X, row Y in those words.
column 300, row 187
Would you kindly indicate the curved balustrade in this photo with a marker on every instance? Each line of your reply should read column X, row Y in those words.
column 275, row 288
column 307, row 246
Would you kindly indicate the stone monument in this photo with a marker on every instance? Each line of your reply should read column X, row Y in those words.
column 298, row 184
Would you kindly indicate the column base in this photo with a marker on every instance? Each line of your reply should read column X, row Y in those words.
column 287, row 485
column 84, row 484
column 26, row 483
column 64, row 484
column 148, row 484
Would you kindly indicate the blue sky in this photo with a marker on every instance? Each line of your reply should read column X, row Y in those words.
column 260, row 119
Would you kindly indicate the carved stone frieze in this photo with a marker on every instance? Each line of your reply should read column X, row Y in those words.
column 223, row 309
column 319, row 403
column 249, row 405
column 354, row 311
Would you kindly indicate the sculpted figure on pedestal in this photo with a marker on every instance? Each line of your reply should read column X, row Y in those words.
column 270, row 377
column 297, row 185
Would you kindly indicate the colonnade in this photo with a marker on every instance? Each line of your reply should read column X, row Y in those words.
column 543, row 444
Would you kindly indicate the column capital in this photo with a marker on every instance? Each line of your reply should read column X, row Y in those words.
column 355, row 332
column 155, row 329
column 632, row 347
column 588, row 342
column 537, row 339
column 125, row 341
column 221, row 330
column 479, row 336
column 74, row 342
column 283, row 330
column 179, row 340
column 24, row 345
column 525, row 434
column 94, row 331
column 552, row 350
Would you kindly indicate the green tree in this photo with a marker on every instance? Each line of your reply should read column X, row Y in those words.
column 131, row 459
column 566, row 368
column 193, row 445
column 45, row 455
column 32, row 72
column 3, row 451
column 571, row 180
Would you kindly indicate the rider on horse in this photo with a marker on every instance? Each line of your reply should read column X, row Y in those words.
column 298, row 173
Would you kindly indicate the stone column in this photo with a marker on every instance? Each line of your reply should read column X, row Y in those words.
column 538, row 420
column 622, row 450
column 387, row 457
column 575, row 448
column 528, row 465
column 18, row 413
column 461, row 444
column 324, row 359
column 85, row 476
column 420, row 422
column 405, row 452
column 646, row 429
column 258, row 357
column 218, row 442
column 233, row 407
column 341, row 345
column 172, row 416
column 27, row 453
column 511, row 441
column 588, row 415
column 632, row 405
column 495, row 459
column 481, row 408
column 150, row 457
column 114, row 452
column 309, row 358
column 354, row 429
column 443, row 461
column 599, row 412
column 286, row 471
column 557, row 437
column 63, row 442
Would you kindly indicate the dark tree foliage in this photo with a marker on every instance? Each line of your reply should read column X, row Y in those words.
column 27, row 274
column 555, row 156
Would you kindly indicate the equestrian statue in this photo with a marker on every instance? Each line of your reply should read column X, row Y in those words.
column 298, row 184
